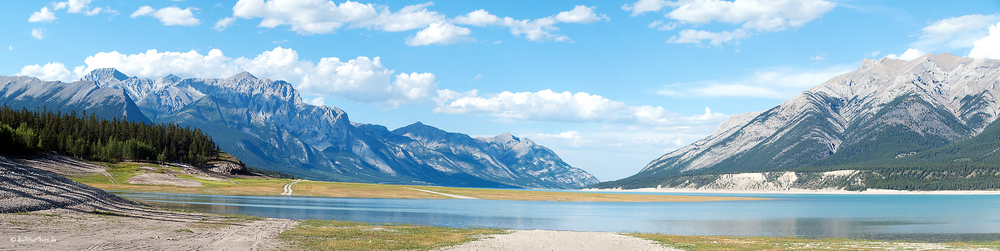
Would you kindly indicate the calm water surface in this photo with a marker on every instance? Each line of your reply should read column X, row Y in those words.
column 921, row 217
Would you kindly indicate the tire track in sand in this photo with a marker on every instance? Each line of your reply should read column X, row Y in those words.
column 288, row 188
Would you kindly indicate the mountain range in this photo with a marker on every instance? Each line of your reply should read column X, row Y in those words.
column 266, row 124
column 887, row 113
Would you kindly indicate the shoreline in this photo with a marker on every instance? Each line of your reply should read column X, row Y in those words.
column 797, row 191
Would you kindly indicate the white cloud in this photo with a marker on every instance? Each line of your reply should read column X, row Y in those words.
column 408, row 18
column 955, row 32
column 750, row 15
column 309, row 17
column 43, row 15
column 142, row 11
column 79, row 6
column 546, row 105
column 574, row 139
column 818, row 57
column 909, row 54
column 660, row 26
column 989, row 46
column 38, row 33
column 47, row 72
column 714, row 38
column 479, row 18
column 760, row 15
column 535, row 30
column 362, row 79
column 413, row 86
column 169, row 15
column 643, row 6
column 440, row 33
column 873, row 54
column 305, row 16
column 10, row 47
column 224, row 23
column 778, row 83
column 581, row 14
column 317, row 101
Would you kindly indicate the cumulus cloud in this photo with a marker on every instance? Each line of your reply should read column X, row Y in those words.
column 535, row 30
column 224, row 23
column 909, row 54
column 778, row 83
column 317, row 101
column 38, row 33
column 989, row 46
column 408, row 18
column 546, row 105
column 819, row 57
column 308, row 17
column 955, row 32
column 581, row 14
column 660, row 26
column 440, row 33
column 78, row 6
column 142, row 11
column 43, row 15
column 750, row 15
column 311, row 17
column 169, row 15
column 362, row 79
column 71, row 6
column 643, row 6
column 714, row 38
column 47, row 72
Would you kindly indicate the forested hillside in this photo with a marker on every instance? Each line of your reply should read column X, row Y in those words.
column 86, row 136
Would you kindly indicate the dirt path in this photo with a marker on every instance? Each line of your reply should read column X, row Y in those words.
column 445, row 194
column 288, row 188
column 559, row 240
column 110, row 177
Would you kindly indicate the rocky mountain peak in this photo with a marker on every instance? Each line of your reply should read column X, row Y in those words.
column 170, row 78
column 504, row 138
column 105, row 75
column 243, row 75
column 420, row 131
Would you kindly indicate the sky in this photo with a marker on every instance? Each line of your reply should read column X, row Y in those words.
column 607, row 85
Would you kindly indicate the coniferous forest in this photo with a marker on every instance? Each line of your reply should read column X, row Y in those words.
column 89, row 137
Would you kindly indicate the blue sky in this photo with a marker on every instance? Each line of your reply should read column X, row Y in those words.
column 608, row 85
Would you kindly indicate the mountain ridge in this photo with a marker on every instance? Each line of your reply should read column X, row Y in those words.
column 266, row 124
column 885, row 108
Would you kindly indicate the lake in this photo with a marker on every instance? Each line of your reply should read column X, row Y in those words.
column 887, row 217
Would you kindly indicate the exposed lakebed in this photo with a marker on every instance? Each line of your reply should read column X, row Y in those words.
column 890, row 217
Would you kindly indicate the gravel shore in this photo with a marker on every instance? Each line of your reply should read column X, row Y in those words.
column 42, row 210
column 25, row 189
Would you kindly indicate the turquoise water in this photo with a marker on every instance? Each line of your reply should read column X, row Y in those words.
column 913, row 217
